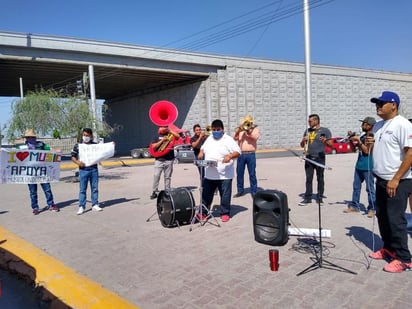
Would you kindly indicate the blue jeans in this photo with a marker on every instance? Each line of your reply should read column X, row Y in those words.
column 86, row 175
column 358, row 178
column 225, row 190
column 47, row 192
column 249, row 160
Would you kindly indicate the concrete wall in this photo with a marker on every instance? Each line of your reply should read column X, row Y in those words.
column 274, row 94
column 137, row 130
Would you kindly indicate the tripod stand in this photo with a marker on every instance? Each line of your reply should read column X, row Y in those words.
column 202, row 212
column 320, row 262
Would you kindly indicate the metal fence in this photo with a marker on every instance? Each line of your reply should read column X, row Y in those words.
column 64, row 144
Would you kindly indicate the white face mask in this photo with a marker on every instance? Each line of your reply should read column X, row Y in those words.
column 86, row 139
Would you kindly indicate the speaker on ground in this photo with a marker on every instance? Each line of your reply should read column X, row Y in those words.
column 271, row 217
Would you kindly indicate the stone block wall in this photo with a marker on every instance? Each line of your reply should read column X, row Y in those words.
column 274, row 94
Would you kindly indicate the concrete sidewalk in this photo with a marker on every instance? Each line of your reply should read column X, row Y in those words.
column 152, row 266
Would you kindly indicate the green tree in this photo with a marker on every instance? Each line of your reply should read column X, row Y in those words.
column 50, row 113
column 2, row 128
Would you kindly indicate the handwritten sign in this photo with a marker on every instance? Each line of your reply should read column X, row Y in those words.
column 29, row 166
column 91, row 154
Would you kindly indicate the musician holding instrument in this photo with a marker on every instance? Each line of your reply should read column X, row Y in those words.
column 314, row 140
column 246, row 135
column 221, row 149
column 197, row 141
column 162, row 147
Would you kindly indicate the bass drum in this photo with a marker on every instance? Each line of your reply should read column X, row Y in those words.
column 175, row 207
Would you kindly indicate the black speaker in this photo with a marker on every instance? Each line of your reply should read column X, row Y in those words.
column 271, row 217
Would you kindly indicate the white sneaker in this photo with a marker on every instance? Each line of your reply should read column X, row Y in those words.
column 80, row 211
column 96, row 208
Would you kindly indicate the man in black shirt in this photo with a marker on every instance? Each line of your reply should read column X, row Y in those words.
column 197, row 141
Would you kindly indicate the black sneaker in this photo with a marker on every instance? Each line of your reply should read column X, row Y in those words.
column 320, row 201
column 238, row 195
column 305, row 202
column 153, row 196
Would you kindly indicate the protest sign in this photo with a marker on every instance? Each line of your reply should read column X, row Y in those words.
column 29, row 166
column 91, row 154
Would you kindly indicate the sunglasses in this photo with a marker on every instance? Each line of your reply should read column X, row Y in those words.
column 381, row 104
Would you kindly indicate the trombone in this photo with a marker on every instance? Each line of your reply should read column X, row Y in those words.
column 246, row 126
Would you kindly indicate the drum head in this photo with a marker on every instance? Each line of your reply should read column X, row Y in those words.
column 175, row 207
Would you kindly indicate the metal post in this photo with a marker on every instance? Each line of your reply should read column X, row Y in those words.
column 307, row 58
column 208, row 102
column 93, row 101
column 21, row 88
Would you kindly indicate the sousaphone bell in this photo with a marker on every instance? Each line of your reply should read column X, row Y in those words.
column 163, row 114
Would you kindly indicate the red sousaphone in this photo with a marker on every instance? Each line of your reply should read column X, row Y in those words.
column 163, row 114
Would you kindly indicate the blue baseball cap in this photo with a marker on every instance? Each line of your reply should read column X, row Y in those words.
column 387, row 96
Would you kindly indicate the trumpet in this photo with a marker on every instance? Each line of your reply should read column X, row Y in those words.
column 247, row 125
column 208, row 130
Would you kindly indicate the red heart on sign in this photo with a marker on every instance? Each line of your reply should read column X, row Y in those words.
column 22, row 155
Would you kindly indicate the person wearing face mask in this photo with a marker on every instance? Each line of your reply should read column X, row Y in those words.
column 32, row 143
column 222, row 149
column 87, row 174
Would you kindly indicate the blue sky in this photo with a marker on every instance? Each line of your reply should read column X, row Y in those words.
column 371, row 34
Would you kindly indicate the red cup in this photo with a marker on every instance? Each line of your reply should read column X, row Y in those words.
column 274, row 259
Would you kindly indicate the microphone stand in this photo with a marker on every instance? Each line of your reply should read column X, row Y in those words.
column 320, row 262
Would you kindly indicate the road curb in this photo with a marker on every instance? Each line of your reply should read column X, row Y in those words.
column 127, row 161
column 62, row 283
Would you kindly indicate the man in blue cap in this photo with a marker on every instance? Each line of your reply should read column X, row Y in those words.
column 392, row 159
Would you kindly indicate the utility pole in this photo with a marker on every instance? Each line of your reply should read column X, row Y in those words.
column 307, row 58
column 21, row 88
column 93, row 102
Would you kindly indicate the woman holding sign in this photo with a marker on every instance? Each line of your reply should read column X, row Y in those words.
column 87, row 173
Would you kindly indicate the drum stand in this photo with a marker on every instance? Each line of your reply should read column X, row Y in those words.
column 148, row 219
column 202, row 208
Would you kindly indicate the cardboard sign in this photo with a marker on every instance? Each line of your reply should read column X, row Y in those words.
column 91, row 154
column 29, row 166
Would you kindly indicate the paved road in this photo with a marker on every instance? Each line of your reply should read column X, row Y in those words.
column 211, row 267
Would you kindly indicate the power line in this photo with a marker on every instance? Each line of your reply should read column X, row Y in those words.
column 244, row 23
column 250, row 24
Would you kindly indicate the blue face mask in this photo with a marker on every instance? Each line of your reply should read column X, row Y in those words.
column 217, row 134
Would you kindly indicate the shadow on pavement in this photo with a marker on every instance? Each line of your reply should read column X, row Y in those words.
column 20, row 290
column 365, row 236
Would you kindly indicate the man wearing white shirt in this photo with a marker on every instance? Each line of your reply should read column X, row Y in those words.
column 392, row 159
column 222, row 149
